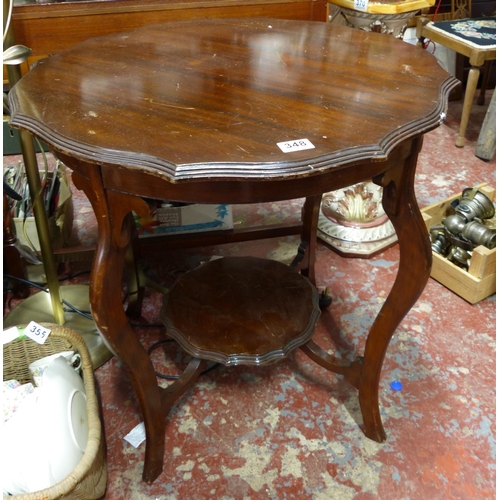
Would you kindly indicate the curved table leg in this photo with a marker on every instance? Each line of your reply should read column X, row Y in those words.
column 306, row 253
column 414, row 269
column 309, row 231
column 109, row 315
column 185, row 381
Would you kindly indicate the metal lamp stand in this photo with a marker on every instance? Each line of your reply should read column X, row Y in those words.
column 46, row 307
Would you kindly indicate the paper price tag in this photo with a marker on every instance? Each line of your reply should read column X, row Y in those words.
column 36, row 332
column 298, row 145
column 361, row 5
column 137, row 435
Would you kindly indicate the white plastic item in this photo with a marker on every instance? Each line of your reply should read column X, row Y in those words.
column 38, row 367
column 64, row 408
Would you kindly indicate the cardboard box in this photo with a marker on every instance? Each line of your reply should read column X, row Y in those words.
column 60, row 223
column 185, row 219
column 479, row 281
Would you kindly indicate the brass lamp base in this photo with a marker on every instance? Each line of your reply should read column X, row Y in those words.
column 38, row 308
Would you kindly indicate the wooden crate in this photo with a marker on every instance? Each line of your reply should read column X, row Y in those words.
column 480, row 281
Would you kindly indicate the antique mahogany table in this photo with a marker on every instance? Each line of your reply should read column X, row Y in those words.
column 238, row 111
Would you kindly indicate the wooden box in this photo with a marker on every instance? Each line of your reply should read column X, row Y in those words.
column 480, row 281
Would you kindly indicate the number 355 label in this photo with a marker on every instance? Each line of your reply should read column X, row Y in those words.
column 298, row 145
column 36, row 332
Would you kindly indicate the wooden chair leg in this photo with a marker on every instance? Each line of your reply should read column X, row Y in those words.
column 468, row 100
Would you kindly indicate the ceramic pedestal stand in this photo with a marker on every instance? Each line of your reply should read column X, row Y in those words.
column 353, row 222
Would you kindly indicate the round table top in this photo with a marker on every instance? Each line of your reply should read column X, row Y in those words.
column 232, row 98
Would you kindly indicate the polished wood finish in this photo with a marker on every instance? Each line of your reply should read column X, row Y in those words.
column 292, row 79
column 193, row 112
column 53, row 27
column 241, row 310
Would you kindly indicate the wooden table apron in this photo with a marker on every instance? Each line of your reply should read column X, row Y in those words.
column 367, row 123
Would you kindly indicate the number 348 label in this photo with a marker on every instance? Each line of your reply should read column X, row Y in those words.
column 297, row 145
column 37, row 332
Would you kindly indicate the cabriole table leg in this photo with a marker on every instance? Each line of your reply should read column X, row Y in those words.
column 109, row 315
column 415, row 263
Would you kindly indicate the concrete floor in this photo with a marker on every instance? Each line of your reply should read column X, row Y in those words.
column 292, row 430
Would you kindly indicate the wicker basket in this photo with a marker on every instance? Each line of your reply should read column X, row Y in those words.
column 88, row 479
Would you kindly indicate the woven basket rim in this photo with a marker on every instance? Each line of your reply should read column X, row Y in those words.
column 95, row 435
